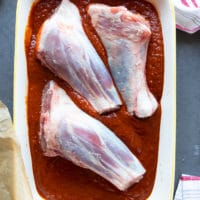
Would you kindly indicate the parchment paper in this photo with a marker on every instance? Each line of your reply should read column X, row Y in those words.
column 13, row 181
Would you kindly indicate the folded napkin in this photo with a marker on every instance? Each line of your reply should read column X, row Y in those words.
column 188, row 188
column 187, row 15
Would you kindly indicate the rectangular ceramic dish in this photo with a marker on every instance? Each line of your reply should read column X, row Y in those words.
column 164, row 183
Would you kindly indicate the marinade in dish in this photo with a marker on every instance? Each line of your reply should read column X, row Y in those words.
column 59, row 179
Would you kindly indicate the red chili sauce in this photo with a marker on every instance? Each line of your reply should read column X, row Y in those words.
column 59, row 179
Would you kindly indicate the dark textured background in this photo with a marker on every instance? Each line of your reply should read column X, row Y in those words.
column 188, row 88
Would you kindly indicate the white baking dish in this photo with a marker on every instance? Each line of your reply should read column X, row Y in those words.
column 164, row 183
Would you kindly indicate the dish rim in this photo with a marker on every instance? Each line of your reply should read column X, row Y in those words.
column 16, row 57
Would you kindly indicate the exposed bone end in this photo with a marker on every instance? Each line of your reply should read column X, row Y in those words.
column 146, row 104
column 132, row 177
column 126, row 186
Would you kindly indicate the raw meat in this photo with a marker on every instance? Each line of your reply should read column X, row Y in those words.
column 68, row 132
column 64, row 48
column 126, row 37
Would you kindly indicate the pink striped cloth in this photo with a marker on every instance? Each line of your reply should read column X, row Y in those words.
column 187, row 15
column 188, row 188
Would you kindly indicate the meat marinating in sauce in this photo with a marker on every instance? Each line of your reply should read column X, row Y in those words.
column 59, row 179
column 67, row 131
column 64, row 48
column 126, row 37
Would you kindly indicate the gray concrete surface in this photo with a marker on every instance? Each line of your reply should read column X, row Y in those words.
column 188, row 88
column 188, row 104
column 7, row 29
